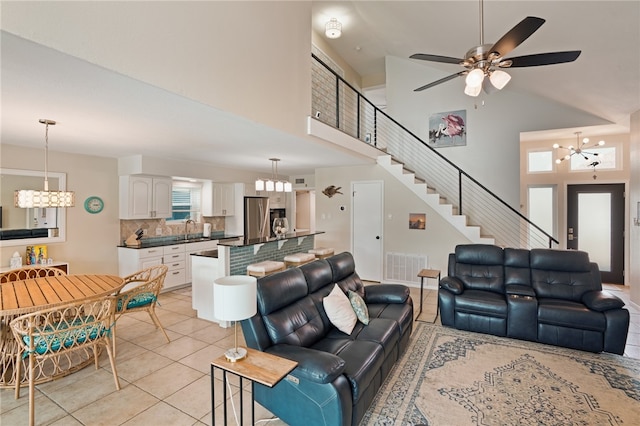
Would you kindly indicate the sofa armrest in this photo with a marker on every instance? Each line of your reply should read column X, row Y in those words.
column 519, row 290
column 313, row 365
column 452, row 284
column 386, row 293
column 601, row 301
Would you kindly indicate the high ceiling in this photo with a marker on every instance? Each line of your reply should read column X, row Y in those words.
column 604, row 81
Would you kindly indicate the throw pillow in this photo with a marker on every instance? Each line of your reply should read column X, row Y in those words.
column 339, row 310
column 359, row 307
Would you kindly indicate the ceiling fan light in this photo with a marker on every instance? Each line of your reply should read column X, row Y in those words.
column 475, row 78
column 472, row 90
column 333, row 28
column 499, row 79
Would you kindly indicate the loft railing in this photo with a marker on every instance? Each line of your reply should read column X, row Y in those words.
column 337, row 103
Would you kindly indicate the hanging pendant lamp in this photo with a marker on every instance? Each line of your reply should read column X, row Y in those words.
column 29, row 198
column 273, row 184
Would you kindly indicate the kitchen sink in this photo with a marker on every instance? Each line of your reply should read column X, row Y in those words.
column 192, row 240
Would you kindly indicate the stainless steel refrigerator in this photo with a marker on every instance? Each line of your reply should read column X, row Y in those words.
column 256, row 218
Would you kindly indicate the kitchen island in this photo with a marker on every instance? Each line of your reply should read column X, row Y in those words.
column 232, row 257
column 236, row 255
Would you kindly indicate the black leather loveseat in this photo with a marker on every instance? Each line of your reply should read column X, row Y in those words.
column 543, row 295
column 338, row 374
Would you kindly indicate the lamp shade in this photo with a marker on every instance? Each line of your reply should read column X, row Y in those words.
column 26, row 198
column 472, row 90
column 499, row 79
column 259, row 185
column 475, row 78
column 234, row 297
column 333, row 28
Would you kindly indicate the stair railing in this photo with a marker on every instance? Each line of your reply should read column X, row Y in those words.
column 337, row 103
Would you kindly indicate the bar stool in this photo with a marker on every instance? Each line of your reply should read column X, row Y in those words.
column 322, row 252
column 262, row 269
column 298, row 259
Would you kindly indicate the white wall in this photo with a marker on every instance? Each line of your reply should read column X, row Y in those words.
column 436, row 241
column 493, row 123
column 91, row 238
column 236, row 56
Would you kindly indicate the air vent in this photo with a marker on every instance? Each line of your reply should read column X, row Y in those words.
column 404, row 267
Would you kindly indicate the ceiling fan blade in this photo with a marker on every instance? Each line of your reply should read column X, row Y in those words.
column 442, row 80
column 436, row 58
column 517, row 35
column 543, row 59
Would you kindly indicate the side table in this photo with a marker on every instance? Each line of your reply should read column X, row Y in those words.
column 429, row 273
column 260, row 367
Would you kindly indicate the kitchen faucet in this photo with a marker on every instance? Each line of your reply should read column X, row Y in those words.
column 186, row 228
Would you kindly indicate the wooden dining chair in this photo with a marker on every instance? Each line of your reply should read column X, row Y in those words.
column 29, row 273
column 55, row 338
column 140, row 293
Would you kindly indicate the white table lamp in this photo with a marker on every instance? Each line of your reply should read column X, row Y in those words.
column 234, row 299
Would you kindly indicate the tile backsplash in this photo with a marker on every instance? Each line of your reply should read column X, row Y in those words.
column 128, row 227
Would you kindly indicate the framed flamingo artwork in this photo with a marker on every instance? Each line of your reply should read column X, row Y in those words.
column 448, row 129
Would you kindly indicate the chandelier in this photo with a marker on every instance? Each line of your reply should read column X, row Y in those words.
column 29, row 198
column 274, row 184
column 579, row 149
column 333, row 28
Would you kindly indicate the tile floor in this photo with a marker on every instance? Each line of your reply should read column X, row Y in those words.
column 169, row 383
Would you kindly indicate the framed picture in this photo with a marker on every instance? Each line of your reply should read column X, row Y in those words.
column 448, row 129
column 417, row 220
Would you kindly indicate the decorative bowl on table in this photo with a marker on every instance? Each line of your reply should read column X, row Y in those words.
column 280, row 227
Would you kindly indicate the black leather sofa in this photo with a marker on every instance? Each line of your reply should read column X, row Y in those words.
column 543, row 295
column 338, row 375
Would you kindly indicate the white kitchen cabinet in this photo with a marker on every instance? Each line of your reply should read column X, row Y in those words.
column 278, row 200
column 177, row 257
column 223, row 199
column 131, row 261
column 195, row 248
column 174, row 258
column 218, row 199
column 145, row 197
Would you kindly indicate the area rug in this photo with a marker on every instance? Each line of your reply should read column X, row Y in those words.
column 452, row 377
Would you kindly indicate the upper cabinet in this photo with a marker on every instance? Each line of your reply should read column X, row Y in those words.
column 218, row 199
column 278, row 200
column 145, row 197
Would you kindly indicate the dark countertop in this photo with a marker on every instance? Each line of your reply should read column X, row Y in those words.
column 169, row 241
column 251, row 242
column 207, row 253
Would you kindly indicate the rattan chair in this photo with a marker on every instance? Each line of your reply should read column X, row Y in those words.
column 143, row 296
column 29, row 273
column 56, row 338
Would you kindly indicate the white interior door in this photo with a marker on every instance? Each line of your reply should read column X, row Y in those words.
column 367, row 229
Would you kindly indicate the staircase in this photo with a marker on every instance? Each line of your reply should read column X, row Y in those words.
column 464, row 202
column 433, row 199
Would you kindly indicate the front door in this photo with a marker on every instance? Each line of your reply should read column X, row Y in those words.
column 595, row 224
column 367, row 229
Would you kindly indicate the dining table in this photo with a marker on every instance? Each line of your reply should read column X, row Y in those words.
column 31, row 295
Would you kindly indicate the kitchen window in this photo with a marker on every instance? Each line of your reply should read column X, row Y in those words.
column 186, row 201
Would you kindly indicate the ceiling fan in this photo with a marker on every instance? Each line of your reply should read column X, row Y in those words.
column 486, row 60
